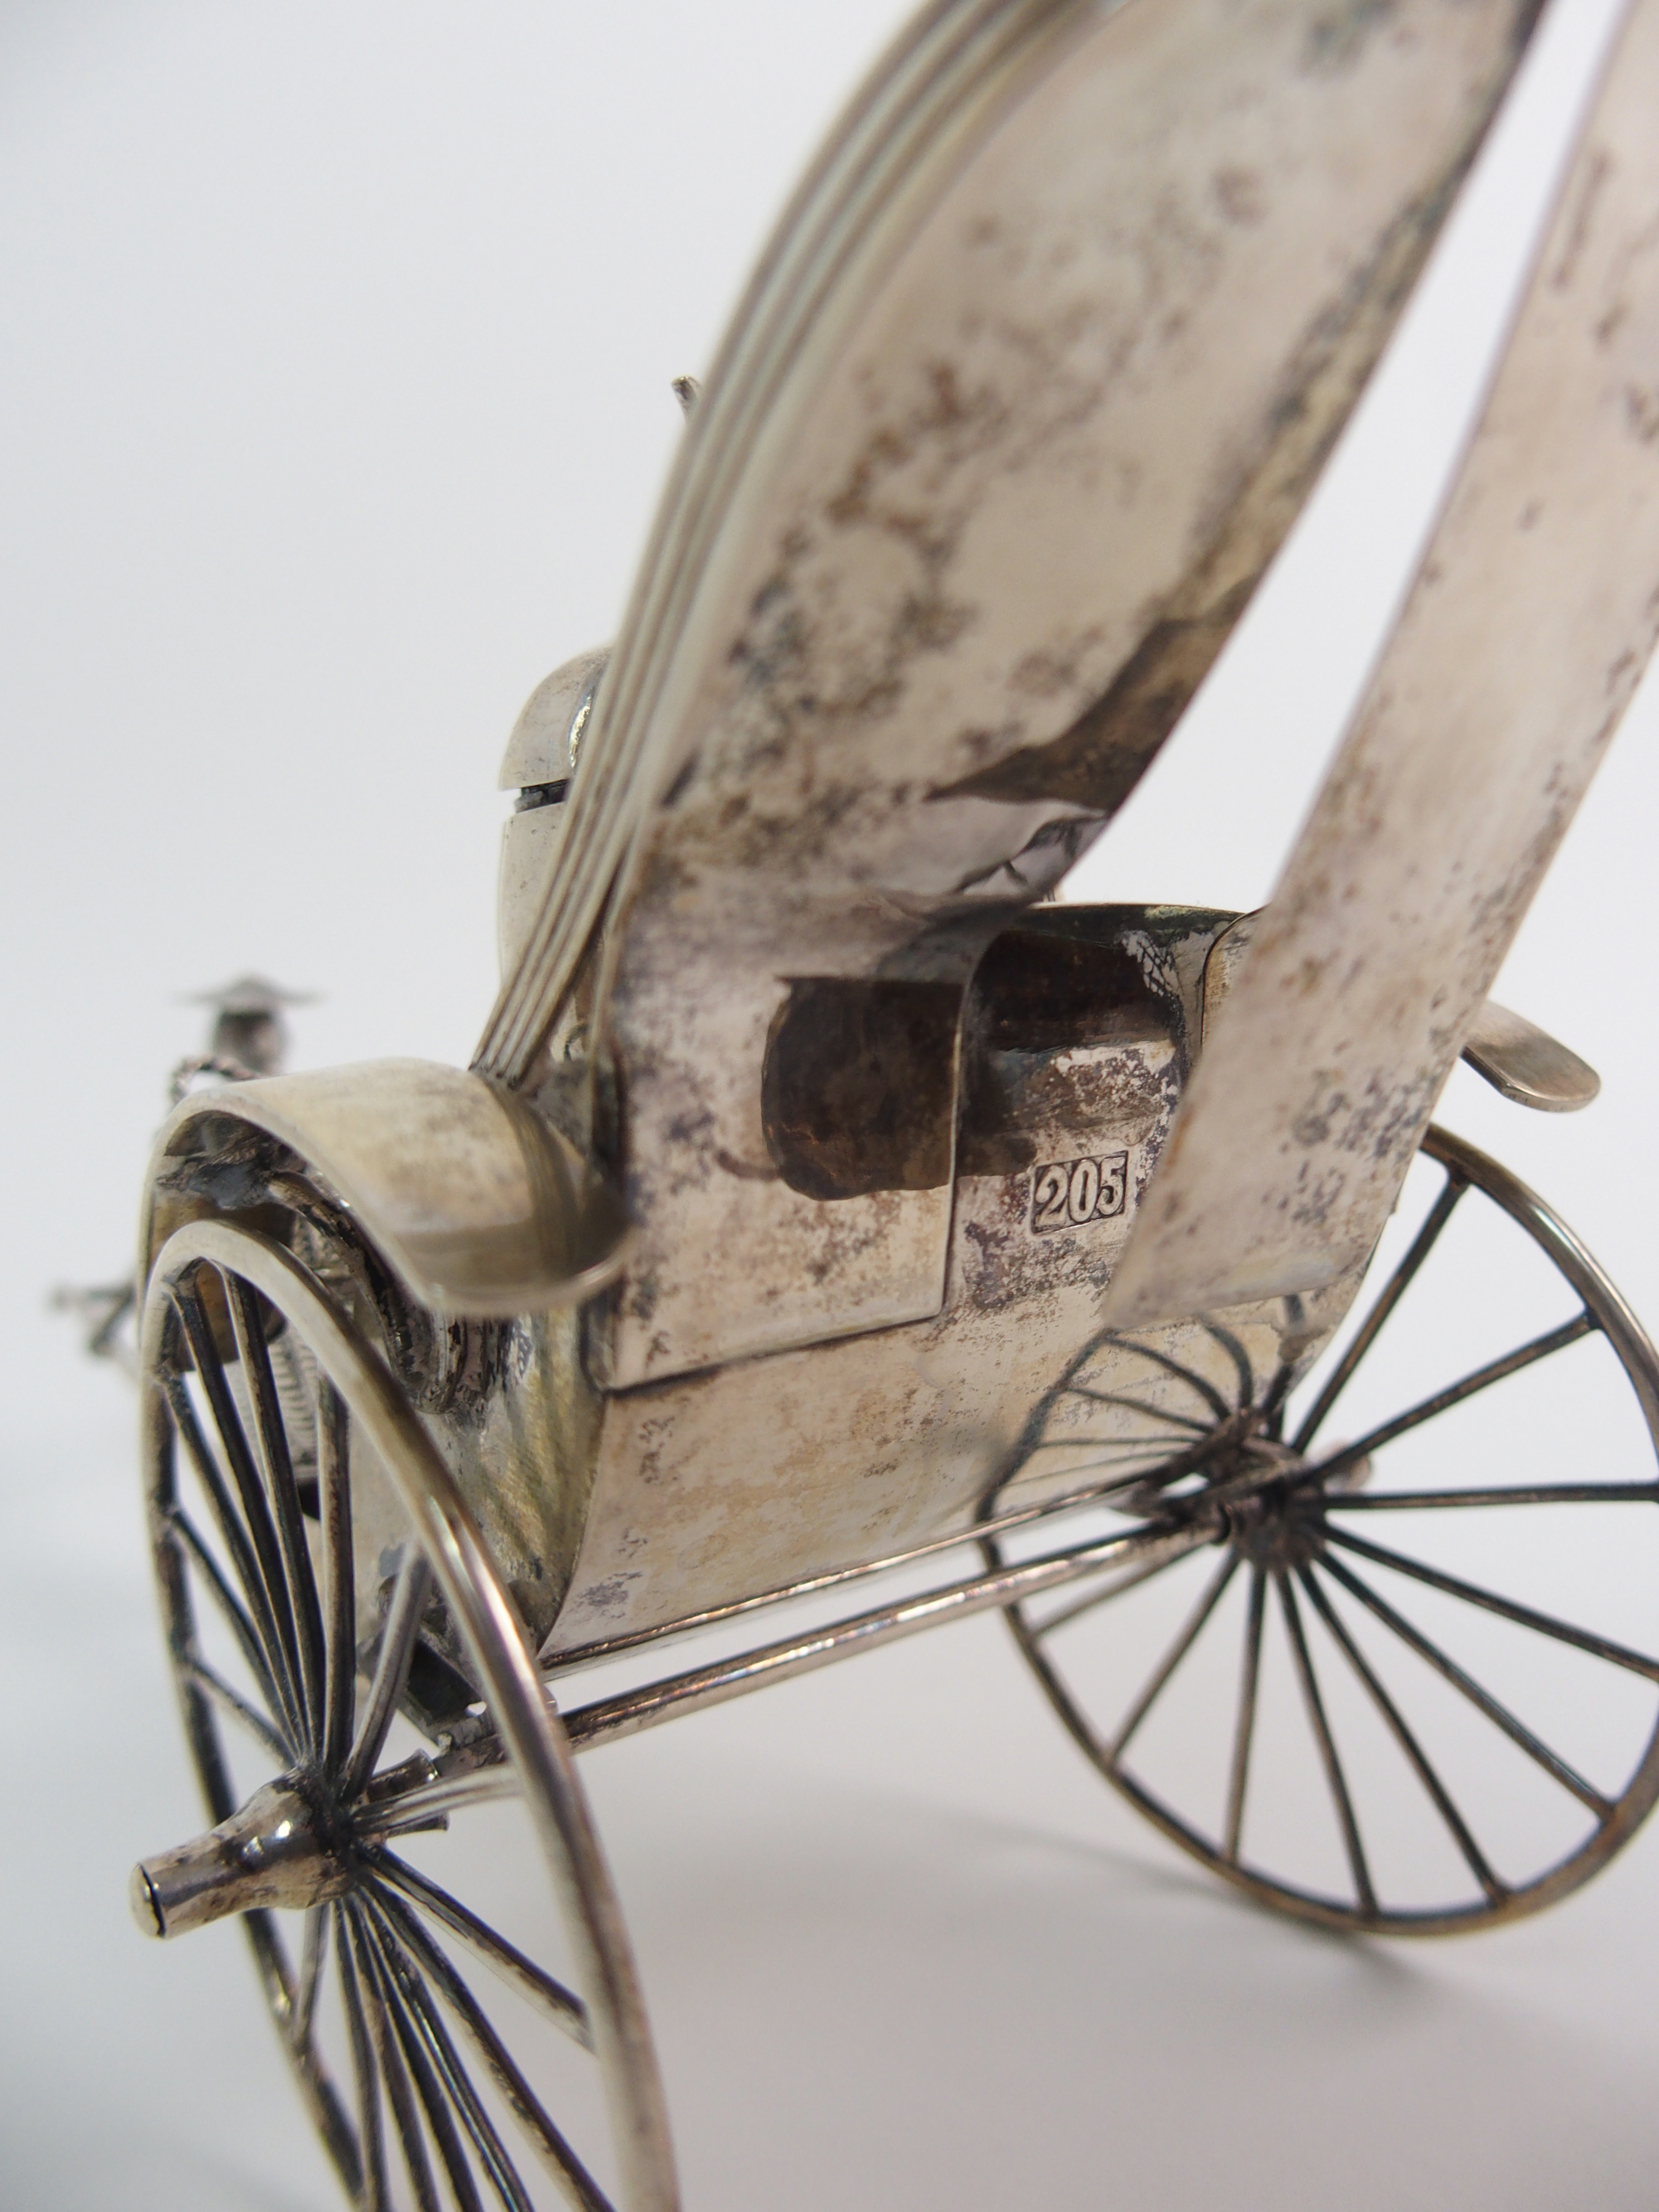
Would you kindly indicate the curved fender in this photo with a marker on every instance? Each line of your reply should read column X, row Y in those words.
column 479, row 1207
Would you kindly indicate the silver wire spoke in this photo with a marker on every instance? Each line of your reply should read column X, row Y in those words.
column 1243, row 1372
column 370, row 2137
column 430, row 1804
column 256, row 1506
column 1205, row 1389
column 340, row 1625
column 235, row 1705
column 435, row 2100
column 1435, row 1219
column 1499, row 1715
column 277, row 1463
column 1495, row 1891
column 1125, row 1583
column 558, row 2004
column 452, row 2076
column 1153, row 1442
column 1244, row 1727
column 186, row 1537
column 1541, row 1493
column 393, row 2074
column 1137, row 1406
column 272, row 1666
column 555, row 2153
column 1496, row 1370
column 1272, row 1403
column 1322, row 1728
column 1542, row 1624
column 313, row 1950
column 1191, row 1629
column 398, row 1634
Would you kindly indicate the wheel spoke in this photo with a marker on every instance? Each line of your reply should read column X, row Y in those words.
column 1138, row 1405
column 1544, row 1624
column 255, row 1516
column 271, row 1440
column 1272, row 1404
column 1439, row 1213
column 398, row 1634
column 272, row 1666
column 555, row 2153
column 188, row 1538
column 1328, row 1753
column 1430, row 1781
column 450, row 2077
column 1125, row 1583
column 1498, row 1714
column 1274, row 1476
column 1190, row 1631
column 1154, row 1443
column 233, row 1703
column 1205, row 1389
column 1242, row 1371
column 1542, row 1493
column 565, row 2010
column 393, row 2072
column 1496, row 1370
column 371, row 2140
column 313, row 1950
column 401, row 1930
column 334, row 1508
column 1244, row 1728
column 430, row 1805
column 436, row 2096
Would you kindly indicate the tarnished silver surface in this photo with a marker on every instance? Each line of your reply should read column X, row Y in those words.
column 758, row 1474
column 1532, row 618
column 1100, row 283
column 820, row 1199
column 477, row 1205
column 1517, row 1058
column 1115, row 315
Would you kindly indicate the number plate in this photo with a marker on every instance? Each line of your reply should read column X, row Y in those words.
column 1067, row 1193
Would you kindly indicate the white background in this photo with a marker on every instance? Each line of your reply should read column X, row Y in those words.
column 336, row 343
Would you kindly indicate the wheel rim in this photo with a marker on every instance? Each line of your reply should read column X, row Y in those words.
column 291, row 1488
column 1349, row 1712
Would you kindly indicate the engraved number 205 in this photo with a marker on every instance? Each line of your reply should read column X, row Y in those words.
column 1067, row 1193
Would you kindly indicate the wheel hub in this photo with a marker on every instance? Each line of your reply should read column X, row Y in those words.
column 1275, row 1529
column 1272, row 1515
column 274, row 1851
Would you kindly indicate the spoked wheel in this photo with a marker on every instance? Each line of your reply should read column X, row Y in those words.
column 1412, row 1687
column 321, row 1581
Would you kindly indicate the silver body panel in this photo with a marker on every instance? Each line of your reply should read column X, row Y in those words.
column 1531, row 621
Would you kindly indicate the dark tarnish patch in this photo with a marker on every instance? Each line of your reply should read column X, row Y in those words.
column 782, row 651
column 950, row 424
column 610, row 1596
column 1337, row 39
column 1097, row 762
column 858, row 1092
column 1315, row 1195
column 1385, row 1122
column 1054, row 1030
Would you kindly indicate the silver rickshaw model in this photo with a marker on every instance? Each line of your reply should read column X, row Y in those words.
column 824, row 1200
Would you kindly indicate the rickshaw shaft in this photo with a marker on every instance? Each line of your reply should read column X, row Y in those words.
column 607, row 1719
